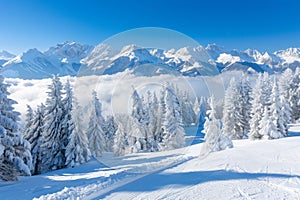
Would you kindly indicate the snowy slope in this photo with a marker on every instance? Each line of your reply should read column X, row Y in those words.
column 251, row 170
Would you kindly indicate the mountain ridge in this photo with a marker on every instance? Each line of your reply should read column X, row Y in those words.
column 70, row 57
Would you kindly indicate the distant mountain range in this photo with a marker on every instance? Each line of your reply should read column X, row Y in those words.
column 69, row 57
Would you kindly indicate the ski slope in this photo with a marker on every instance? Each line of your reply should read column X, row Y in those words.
column 251, row 170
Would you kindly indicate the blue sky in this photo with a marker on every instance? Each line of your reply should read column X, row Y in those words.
column 260, row 24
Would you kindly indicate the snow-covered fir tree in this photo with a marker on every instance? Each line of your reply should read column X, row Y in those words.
column 245, row 90
column 110, row 128
column 52, row 148
column 33, row 134
column 150, row 106
column 196, row 108
column 289, row 88
column 232, row 117
column 276, row 112
column 214, row 139
column 95, row 132
column 187, row 109
column 67, row 121
column 121, row 141
column 28, row 120
column 286, row 112
column 201, row 115
column 161, row 110
column 77, row 150
column 267, row 128
column 15, row 156
column 260, row 101
column 140, row 120
column 173, row 132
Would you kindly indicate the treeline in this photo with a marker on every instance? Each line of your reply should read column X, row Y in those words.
column 261, row 112
column 55, row 135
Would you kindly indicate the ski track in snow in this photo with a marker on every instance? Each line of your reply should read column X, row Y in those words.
column 251, row 170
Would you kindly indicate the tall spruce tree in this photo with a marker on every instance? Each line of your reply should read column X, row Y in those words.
column 95, row 132
column 173, row 132
column 52, row 148
column 214, row 139
column 33, row 134
column 15, row 156
column 232, row 117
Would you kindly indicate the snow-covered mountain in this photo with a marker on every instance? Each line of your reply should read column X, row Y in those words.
column 63, row 59
column 5, row 56
column 67, row 58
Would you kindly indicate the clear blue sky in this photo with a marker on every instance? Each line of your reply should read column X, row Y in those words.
column 261, row 24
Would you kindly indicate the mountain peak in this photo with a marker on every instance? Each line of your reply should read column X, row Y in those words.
column 129, row 48
column 5, row 55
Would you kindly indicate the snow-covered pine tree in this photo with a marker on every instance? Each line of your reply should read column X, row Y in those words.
column 289, row 88
column 121, row 141
column 214, row 139
column 267, row 128
column 67, row 121
column 52, row 148
column 201, row 115
column 187, row 110
column 77, row 150
column 245, row 104
column 110, row 128
column 258, row 104
column 286, row 112
column 295, row 100
column 196, row 108
column 28, row 120
column 95, row 133
column 152, row 126
column 161, row 109
column 232, row 117
column 34, row 136
column 15, row 156
column 173, row 132
column 276, row 113
column 138, row 136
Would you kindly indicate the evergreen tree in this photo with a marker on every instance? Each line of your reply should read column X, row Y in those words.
column 153, row 125
column 289, row 88
column 52, row 148
column 67, row 121
column 173, row 132
column 161, row 113
column 258, row 104
column 187, row 110
column 121, row 141
column 77, row 151
column 232, row 117
column 33, row 134
column 139, row 133
column 214, row 139
column 267, row 128
column 201, row 115
column 276, row 112
column 28, row 120
column 95, row 133
column 245, row 103
column 110, row 128
column 286, row 112
column 15, row 156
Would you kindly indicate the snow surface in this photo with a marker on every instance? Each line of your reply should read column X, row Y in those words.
column 267, row 169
